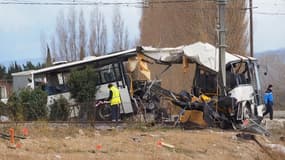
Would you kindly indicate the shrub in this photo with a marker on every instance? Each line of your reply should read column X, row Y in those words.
column 4, row 109
column 28, row 105
column 82, row 84
column 83, row 88
column 34, row 102
column 15, row 107
column 59, row 110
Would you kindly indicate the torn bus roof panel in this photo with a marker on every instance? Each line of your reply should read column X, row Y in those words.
column 166, row 55
column 202, row 53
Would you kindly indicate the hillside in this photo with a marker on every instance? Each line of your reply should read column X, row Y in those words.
column 272, row 63
column 278, row 52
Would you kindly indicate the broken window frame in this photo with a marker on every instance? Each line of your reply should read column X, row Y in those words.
column 198, row 80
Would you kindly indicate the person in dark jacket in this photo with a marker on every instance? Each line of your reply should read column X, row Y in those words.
column 268, row 101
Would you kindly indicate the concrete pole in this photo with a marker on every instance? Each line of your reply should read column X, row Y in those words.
column 221, row 4
column 251, row 28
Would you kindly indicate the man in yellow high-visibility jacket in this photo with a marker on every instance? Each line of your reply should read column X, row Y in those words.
column 115, row 101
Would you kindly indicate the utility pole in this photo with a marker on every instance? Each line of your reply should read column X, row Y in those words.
column 221, row 4
column 251, row 28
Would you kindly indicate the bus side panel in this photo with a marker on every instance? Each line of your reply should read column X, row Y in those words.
column 126, row 101
column 103, row 93
column 20, row 82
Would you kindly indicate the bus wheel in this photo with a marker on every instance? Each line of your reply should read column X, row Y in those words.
column 103, row 112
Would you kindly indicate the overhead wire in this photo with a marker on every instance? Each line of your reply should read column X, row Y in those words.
column 138, row 3
column 270, row 13
column 80, row 2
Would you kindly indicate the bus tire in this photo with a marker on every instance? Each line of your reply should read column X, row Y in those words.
column 103, row 112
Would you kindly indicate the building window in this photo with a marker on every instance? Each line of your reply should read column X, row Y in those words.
column 3, row 92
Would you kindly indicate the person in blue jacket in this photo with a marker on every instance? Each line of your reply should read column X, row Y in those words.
column 268, row 101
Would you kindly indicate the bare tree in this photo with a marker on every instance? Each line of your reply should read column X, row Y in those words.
column 72, row 45
column 62, row 37
column 70, row 40
column 126, row 42
column 53, row 49
column 82, row 36
column 98, row 36
column 120, row 32
column 184, row 23
column 237, row 27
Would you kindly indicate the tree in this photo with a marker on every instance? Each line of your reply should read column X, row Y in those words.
column 59, row 110
column 53, row 48
column 4, row 109
column 15, row 107
column 34, row 104
column 48, row 57
column 178, row 23
column 70, row 40
column 98, row 36
column 185, row 23
column 126, row 42
column 237, row 29
column 72, row 35
column 118, row 28
column 13, row 68
column 3, row 73
column 28, row 105
column 120, row 33
column 62, row 37
column 28, row 66
column 82, row 36
column 83, row 88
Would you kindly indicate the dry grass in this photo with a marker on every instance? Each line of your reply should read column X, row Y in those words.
column 139, row 142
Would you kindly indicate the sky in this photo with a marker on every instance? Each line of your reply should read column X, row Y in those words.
column 22, row 26
column 269, row 25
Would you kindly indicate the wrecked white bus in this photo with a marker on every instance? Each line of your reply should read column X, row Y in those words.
column 242, row 100
column 110, row 69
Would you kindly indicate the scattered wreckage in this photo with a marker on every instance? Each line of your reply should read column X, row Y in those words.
column 205, row 105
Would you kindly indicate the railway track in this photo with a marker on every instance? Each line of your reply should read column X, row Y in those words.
column 95, row 124
column 105, row 125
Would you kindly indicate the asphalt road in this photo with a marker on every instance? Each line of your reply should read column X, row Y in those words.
column 278, row 114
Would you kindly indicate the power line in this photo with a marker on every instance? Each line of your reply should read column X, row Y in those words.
column 269, row 13
column 94, row 3
column 66, row 3
column 137, row 3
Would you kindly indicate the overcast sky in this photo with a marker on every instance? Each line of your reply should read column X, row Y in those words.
column 269, row 25
column 21, row 26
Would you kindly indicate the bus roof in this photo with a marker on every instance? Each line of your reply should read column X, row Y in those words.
column 113, row 57
column 23, row 73
column 199, row 52
column 202, row 53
